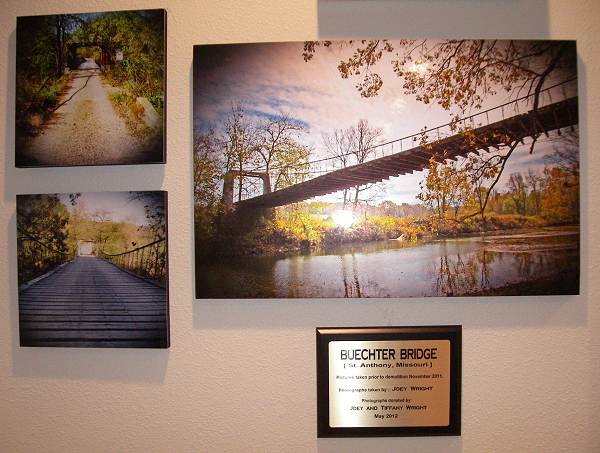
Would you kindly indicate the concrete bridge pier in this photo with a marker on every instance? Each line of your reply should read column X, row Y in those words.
column 229, row 182
column 251, row 215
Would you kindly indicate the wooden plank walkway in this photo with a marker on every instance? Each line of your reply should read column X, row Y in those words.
column 90, row 302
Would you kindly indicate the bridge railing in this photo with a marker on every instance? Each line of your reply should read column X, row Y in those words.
column 35, row 257
column 148, row 261
column 524, row 104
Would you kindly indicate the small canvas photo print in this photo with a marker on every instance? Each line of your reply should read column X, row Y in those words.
column 90, row 89
column 92, row 269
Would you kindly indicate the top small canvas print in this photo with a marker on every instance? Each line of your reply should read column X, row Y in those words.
column 90, row 89
column 386, row 168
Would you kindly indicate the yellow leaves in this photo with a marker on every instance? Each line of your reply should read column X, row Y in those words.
column 309, row 50
column 370, row 85
column 343, row 69
column 299, row 224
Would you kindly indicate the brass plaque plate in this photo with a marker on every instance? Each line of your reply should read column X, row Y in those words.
column 388, row 381
column 374, row 383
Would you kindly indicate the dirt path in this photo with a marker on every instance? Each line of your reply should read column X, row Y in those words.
column 85, row 130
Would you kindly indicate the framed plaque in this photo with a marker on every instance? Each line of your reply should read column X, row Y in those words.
column 388, row 381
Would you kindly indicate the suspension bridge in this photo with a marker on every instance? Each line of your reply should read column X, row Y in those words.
column 489, row 129
column 93, row 299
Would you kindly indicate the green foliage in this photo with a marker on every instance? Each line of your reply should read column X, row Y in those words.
column 300, row 225
column 207, row 182
column 457, row 193
column 46, row 43
column 140, row 36
column 41, row 233
column 132, row 113
column 246, row 151
column 560, row 198
column 42, row 45
column 120, row 98
column 493, row 222
column 157, row 100
column 48, row 234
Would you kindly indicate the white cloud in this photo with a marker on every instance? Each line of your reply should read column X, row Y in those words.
column 399, row 104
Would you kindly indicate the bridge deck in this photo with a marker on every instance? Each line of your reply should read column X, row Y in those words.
column 91, row 302
column 551, row 117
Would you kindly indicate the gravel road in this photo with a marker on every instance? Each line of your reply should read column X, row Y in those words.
column 85, row 130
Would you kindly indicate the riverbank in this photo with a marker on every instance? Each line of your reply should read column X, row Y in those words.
column 296, row 232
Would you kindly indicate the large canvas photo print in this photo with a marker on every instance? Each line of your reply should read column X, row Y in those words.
column 92, row 269
column 386, row 168
column 90, row 89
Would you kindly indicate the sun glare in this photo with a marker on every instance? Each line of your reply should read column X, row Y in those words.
column 343, row 219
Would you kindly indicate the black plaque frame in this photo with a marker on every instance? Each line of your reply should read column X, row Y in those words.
column 328, row 334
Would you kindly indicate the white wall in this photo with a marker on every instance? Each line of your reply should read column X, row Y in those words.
column 240, row 375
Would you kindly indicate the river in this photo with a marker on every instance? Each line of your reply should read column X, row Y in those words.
column 541, row 261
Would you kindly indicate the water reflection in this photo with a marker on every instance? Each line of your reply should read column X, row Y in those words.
column 511, row 264
column 456, row 275
column 487, row 269
column 351, row 282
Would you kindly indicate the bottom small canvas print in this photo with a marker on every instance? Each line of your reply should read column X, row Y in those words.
column 92, row 269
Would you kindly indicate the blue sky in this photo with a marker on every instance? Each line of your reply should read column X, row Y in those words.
column 271, row 79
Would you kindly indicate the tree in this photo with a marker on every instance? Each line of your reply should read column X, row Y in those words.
column 39, row 66
column 351, row 146
column 483, row 174
column 292, row 165
column 337, row 145
column 140, row 36
column 560, row 194
column 240, row 145
column 518, row 192
column 207, row 171
column 43, row 217
column 155, row 211
column 560, row 198
column 534, row 181
column 457, row 73
column 255, row 148
column 42, row 234
column 566, row 153
column 42, row 53
column 279, row 149
column 389, row 208
column 79, row 226
column 445, row 189
column 104, row 230
column 363, row 138
column 63, row 27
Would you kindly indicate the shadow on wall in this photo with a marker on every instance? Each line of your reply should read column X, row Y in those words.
column 97, row 364
column 439, row 19
column 447, row 444
column 126, row 365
